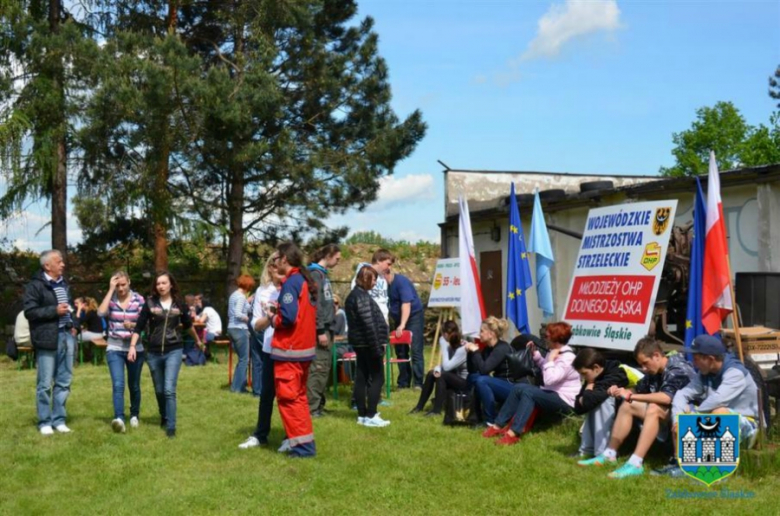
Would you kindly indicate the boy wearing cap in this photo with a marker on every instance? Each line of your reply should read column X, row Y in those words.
column 723, row 386
column 650, row 403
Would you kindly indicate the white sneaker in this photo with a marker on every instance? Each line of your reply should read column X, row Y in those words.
column 285, row 447
column 375, row 422
column 47, row 430
column 62, row 429
column 251, row 442
column 362, row 420
column 134, row 422
column 118, row 425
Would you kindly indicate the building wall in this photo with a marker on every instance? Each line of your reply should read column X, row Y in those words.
column 752, row 214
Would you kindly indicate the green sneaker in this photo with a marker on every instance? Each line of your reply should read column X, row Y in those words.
column 598, row 460
column 627, row 470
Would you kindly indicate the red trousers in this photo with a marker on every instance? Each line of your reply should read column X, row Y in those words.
column 290, row 381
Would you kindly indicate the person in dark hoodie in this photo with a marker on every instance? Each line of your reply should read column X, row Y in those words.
column 598, row 376
column 650, row 403
column 48, row 308
column 324, row 259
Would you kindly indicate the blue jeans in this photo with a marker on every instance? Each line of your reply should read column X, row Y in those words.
column 415, row 324
column 489, row 390
column 117, row 362
column 165, row 373
column 54, row 367
column 521, row 402
column 240, row 338
column 258, row 361
column 266, row 408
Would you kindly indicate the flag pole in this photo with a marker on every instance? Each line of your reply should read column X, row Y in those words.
column 734, row 315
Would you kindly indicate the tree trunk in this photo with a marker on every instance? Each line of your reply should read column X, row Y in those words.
column 235, row 254
column 59, row 182
column 160, row 208
column 160, row 195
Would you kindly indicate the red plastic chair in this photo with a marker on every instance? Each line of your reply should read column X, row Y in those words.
column 404, row 339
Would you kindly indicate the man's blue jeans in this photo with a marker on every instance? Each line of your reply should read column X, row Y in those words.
column 54, row 367
column 117, row 362
column 240, row 338
column 489, row 390
column 415, row 324
column 165, row 373
column 256, row 352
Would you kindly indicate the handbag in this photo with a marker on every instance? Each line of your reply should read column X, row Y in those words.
column 521, row 360
column 457, row 408
column 11, row 349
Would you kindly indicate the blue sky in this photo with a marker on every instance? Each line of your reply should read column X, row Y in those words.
column 589, row 87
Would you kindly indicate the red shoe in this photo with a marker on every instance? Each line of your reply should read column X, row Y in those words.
column 494, row 431
column 507, row 440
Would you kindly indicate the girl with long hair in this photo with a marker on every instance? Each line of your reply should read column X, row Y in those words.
column 160, row 317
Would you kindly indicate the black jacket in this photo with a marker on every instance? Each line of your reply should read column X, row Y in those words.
column 40, row 308
column 162, row 326
column 491, row 360
column 367, row 326
column 588, row 400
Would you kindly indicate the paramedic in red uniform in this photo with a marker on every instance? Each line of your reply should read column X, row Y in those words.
column 295, row 335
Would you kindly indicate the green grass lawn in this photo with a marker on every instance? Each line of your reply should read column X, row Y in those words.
column 414, row 466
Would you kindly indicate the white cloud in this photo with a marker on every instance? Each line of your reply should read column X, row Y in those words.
column 403, row 190
column 565, row 22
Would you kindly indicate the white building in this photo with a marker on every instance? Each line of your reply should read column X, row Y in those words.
column 751, row 205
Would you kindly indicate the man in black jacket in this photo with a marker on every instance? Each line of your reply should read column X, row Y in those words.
column 48, row 307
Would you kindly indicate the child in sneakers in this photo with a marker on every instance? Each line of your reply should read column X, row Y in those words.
column 650, row 403
column 598, row 376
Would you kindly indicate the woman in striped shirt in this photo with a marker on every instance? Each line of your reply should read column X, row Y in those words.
column 122, row 306
column 238, row 329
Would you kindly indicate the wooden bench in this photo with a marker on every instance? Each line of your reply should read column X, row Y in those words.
column 225, row 343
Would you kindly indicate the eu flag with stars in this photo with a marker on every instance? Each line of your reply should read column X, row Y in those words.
column 693, row 322
column 519, row 273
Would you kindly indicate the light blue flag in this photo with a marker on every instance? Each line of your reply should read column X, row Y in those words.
column 539, row 243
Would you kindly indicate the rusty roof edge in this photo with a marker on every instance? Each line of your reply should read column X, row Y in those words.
column 734, row 177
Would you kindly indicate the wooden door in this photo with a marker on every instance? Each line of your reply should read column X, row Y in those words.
column 492, row 285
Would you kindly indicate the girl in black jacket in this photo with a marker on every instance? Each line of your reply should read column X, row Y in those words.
column 160, row 317
column 368, row 334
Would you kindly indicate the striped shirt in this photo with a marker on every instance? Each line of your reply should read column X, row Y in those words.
column 118, row 315
column 238, row 310
column 61, row 291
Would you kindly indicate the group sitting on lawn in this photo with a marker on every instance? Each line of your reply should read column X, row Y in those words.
column 613, row 397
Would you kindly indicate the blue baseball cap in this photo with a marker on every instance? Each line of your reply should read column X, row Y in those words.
column 708, row 345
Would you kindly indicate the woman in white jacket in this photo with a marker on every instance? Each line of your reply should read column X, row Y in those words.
column 450, row 375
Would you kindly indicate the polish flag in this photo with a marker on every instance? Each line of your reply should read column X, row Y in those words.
column 716, row 302
column 472, row 308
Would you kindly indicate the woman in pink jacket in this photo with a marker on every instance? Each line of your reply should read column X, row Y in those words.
column 561, row 385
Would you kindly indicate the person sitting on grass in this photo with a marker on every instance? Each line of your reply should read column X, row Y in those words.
column 492, row 359
column 450, row 375
column 561, row 385
column 598, row 376
column 650, row 403
column 723, row 386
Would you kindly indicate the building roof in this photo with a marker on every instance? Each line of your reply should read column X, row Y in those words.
column 631, row 186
